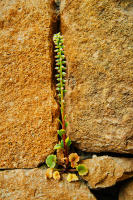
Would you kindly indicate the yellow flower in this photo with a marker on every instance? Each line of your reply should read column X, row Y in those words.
column 56, row 175
column 72, row 177
column 49, row 173
column 73, row 158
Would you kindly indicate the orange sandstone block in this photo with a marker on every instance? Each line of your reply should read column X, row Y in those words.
column 28, row 110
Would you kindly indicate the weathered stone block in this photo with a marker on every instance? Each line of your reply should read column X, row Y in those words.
column 22, row 184
column 98, row 39
column 28, row 110
column 106, row 171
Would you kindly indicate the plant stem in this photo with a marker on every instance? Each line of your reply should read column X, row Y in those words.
column 58, row 40
column 62, row 111
column 71, row 170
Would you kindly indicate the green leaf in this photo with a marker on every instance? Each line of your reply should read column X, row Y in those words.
column 59, row 95
column 63, row 62
column 58, row 146
column 61, row 132
column 82, row 170
column 58, row 89
column 57, row 46
column 51, row 161
column 62, row 144
column 66, row 124
column 63, row 73
column 57, row 75
column 57, row 56
column 58, row 85
column 68, row 142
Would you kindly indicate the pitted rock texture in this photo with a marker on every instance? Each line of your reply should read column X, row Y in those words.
column 105, row 171
column 126, row 191
column 98, row 38
column 22, row 184
column 28, row 110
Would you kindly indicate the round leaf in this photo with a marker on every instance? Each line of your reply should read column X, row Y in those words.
column 82, row 170
column 51, row 161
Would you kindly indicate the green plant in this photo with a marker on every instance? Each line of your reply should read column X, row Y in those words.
column 65, row 142
column 61, row 73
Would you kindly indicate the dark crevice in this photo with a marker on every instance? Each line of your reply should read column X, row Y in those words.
column 41, row 164
column 109, row 193
column 112, row 154
column 57, row 5
column 55, row 29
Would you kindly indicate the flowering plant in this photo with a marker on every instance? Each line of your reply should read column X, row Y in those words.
column 65, row 142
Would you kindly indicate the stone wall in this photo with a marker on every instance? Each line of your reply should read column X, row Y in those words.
column 98, row 40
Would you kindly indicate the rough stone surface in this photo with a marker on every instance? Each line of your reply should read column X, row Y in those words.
column 98, row 39
column 21, row 184
column 105, row 171
column 126, row 191
column 28, row 110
